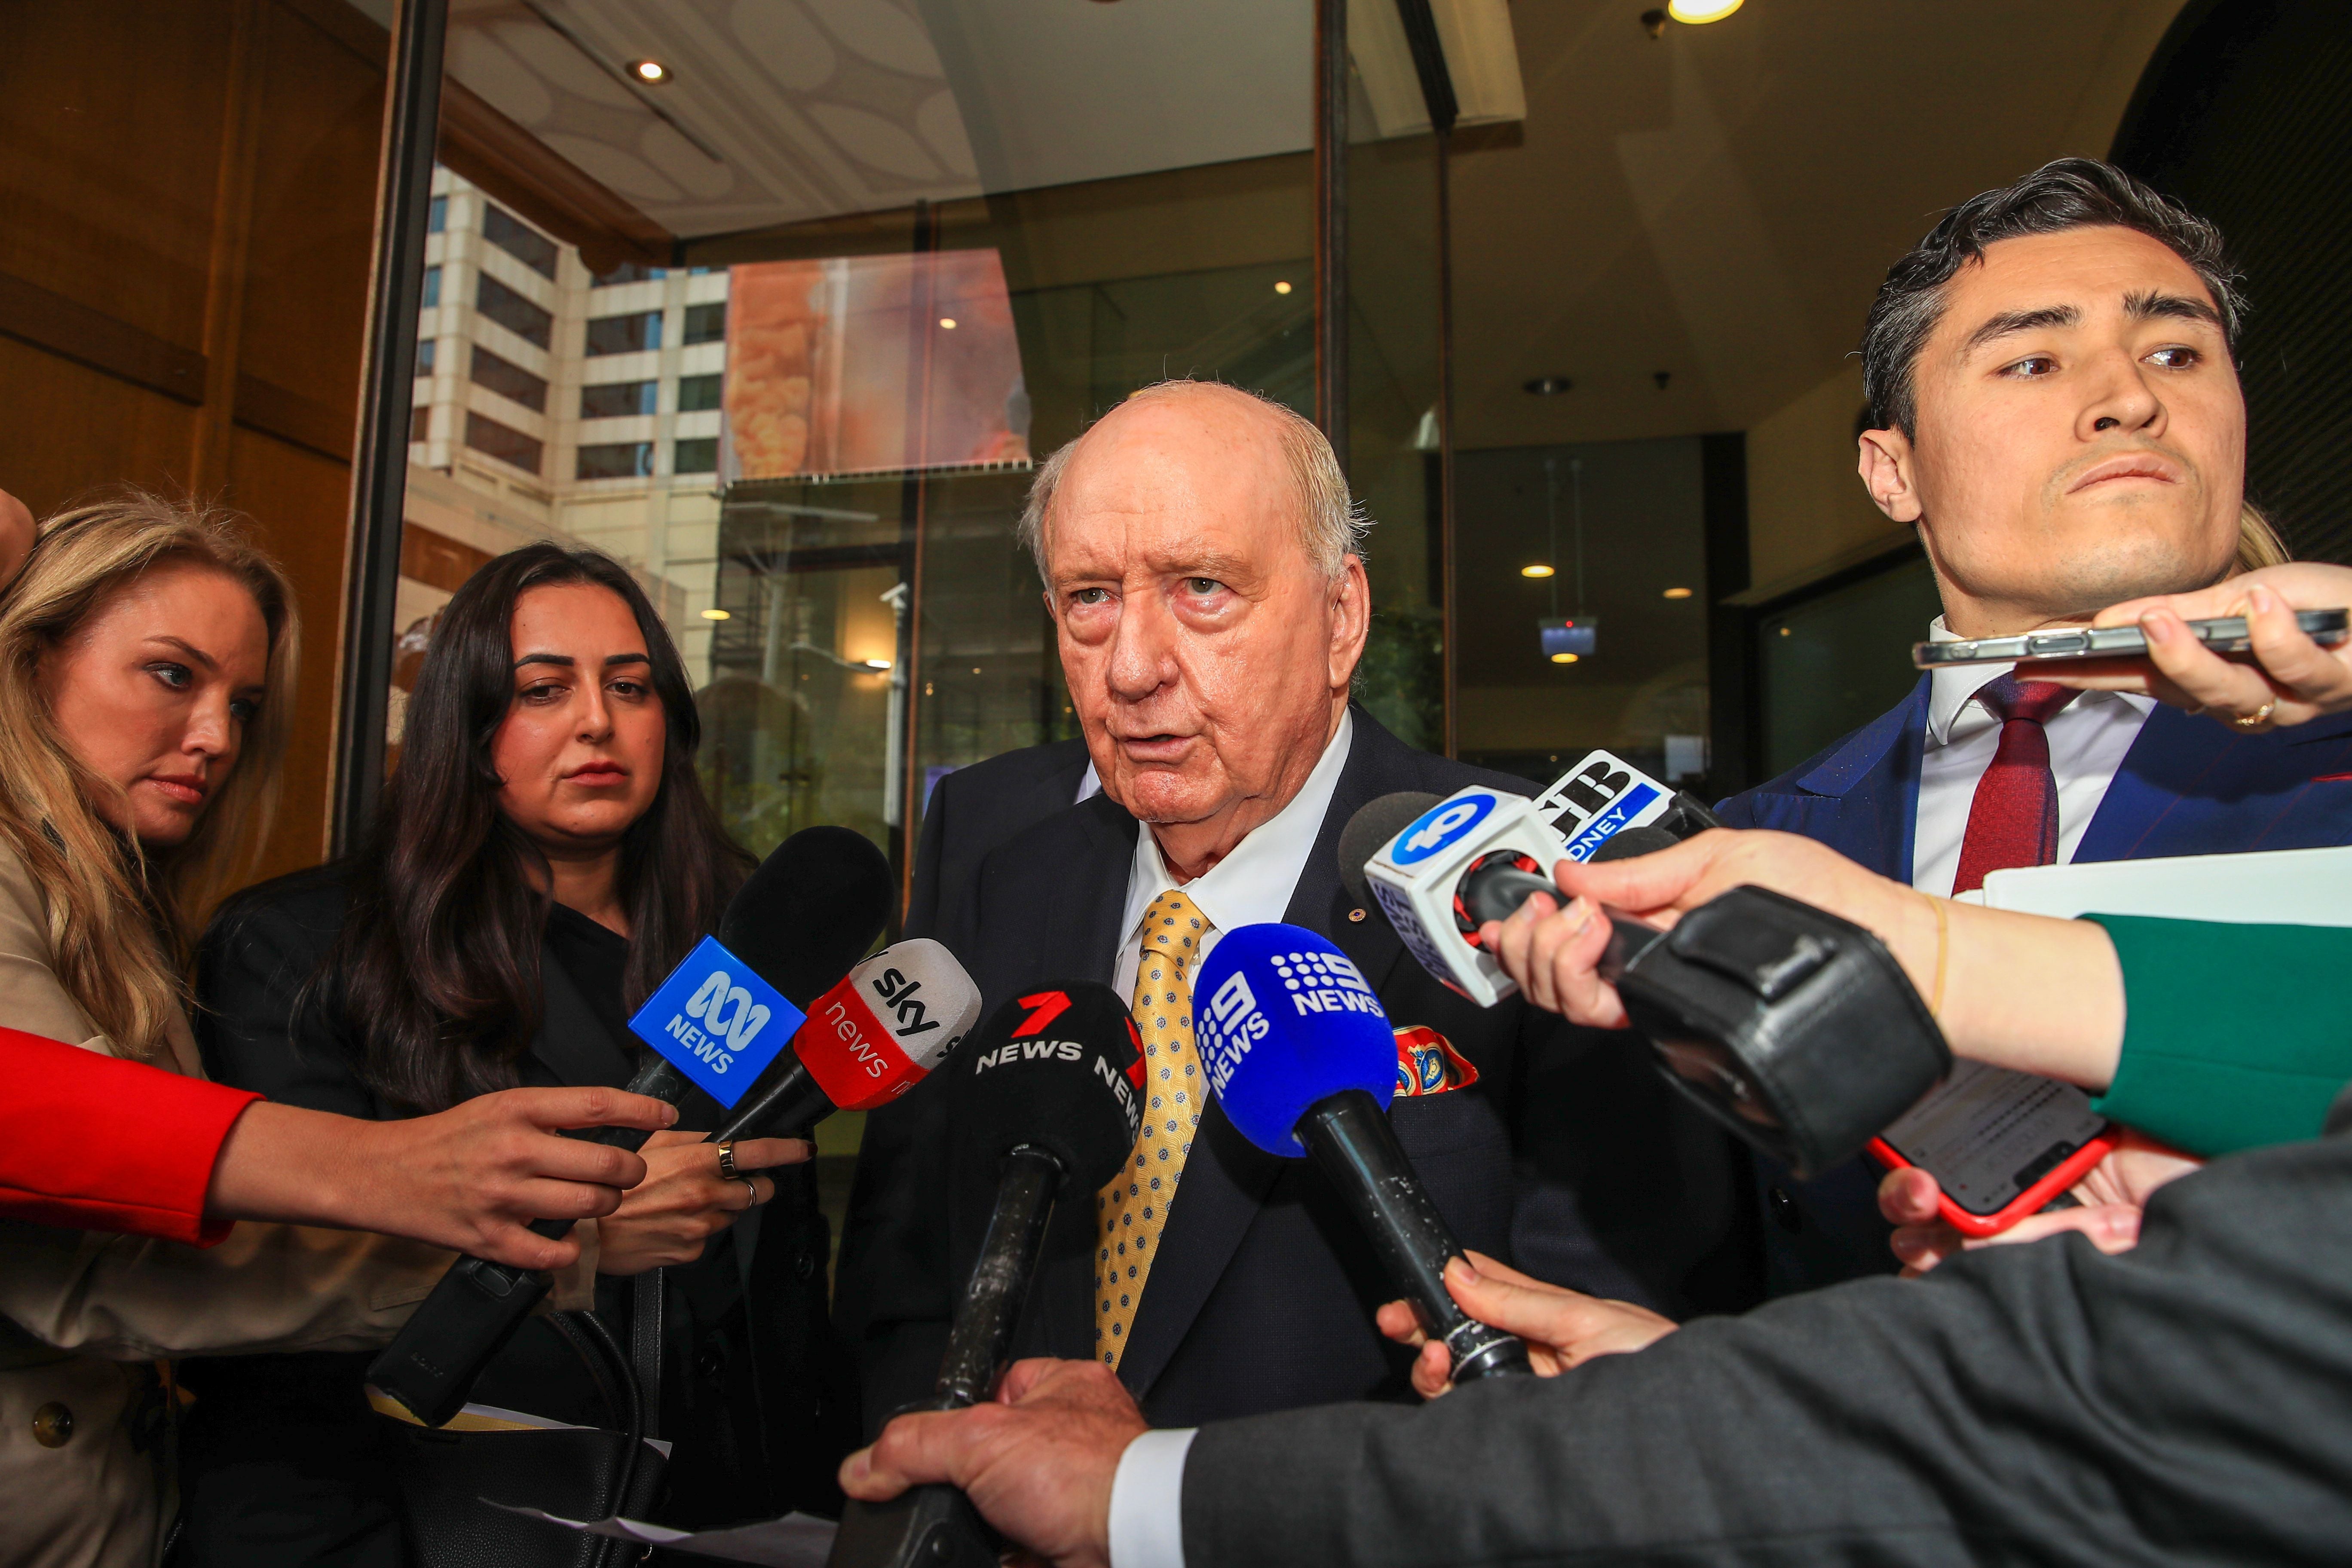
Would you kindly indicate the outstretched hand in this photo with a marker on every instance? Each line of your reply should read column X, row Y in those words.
column 1038, row 1463
column 2110, row 1199
column 1561, row 1328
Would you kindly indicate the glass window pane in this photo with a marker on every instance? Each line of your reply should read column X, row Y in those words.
column 510, row 310
column 616, row 460
column 510, row 381
column 436, row 216
column 518, row 239
column 424, row 350
column 697, row 394
column 618, row 399
column 624, row 334
column 699, row 455
column 432, row 287
column 706, row 323
column 503, row 442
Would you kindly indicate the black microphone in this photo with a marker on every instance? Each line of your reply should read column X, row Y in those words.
column 1303, row 1061
column 1048, row 1100
column 810, row 908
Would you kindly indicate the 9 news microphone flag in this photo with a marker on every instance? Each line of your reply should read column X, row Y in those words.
column 1301, row 1056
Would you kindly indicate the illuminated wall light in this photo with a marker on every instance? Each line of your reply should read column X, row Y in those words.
column 716, row 616
column 948, row 323
column 1698, row 11
column 1678, row 592
column 1537, row 569
column 653, row 72
column 1565, row 657
column 878, row 665
column 1282, row 287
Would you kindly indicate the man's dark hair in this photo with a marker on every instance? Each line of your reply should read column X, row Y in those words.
column 2072, row 193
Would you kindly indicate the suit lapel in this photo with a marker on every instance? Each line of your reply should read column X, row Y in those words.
column 2181, row 766
column 1863, row 799
column 1226, row 1177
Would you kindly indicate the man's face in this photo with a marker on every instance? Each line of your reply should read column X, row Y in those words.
column 2081, row 436
column 1207, row 656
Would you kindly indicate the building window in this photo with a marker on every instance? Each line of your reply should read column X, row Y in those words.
column 436, row 215
column 512, row 311
column 697, row 455
column 616, row 460
column 420, row 422
column 432, row 295
column 618, row 399
column 706, row 323
column 697, row 394
column 510, row 380
column 518, row 239
column 425, row 348
column 624, row 334
column 626, row 272
column 505, row 444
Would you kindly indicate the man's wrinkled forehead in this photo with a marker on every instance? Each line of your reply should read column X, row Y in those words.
column 1178, row 486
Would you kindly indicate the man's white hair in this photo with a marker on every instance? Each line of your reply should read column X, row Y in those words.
column 1330, row 525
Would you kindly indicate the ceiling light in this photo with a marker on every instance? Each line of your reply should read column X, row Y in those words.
column 1695, row 11
column 1537, row 569
column 1564, row 658
column 948, row 322
column 1282, row 285
column 653, row 73
column 1549, row 385
column 1678, row 592
column 716, row 616
column 877, row 664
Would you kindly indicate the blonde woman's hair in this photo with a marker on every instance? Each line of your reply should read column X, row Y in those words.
column 2259, row 544
column 122, row 923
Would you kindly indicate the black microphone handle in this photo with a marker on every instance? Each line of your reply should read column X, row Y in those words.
column 1350, row 1138
column 1496, row 892
column 783, row 1101
column 936, row 1526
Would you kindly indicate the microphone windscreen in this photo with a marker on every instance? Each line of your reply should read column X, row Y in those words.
column 1283, row 1019
column 811, row 910
column 1628, row 842
column 1060, row 1069
column 1371, row 826
column 886, row 1024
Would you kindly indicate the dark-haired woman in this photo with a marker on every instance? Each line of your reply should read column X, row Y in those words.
column 542, row 859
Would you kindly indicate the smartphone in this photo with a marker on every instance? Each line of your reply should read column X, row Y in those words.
column 2000, row 1145
column 2224, row 634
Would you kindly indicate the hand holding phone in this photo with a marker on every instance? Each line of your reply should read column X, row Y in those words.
column 2227, row 635
column 2103, row 1206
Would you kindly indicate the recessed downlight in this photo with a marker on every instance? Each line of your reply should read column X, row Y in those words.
column 1537, row 569
column 1677, row 594
column 653, row 73
column 1548, row 386
column 1565, row 657
column 1698, row 11
column 716, row 616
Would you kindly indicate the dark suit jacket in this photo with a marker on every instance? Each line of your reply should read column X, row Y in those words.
column 2188, row 786
column 2182, row 1402
column 972, row 811
column 1567, row 1152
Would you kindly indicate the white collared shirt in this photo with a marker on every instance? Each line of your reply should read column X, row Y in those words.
column 2088, row 737
column 1254, row 882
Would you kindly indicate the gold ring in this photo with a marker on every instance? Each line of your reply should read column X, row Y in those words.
column 2254, row 721
column 727, row 1161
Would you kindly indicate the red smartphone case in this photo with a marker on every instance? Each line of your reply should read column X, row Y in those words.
column 2060, row 1177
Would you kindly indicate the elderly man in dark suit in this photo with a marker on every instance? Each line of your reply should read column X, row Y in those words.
column 1198, row 548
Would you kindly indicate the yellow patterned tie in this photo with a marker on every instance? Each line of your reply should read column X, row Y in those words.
column 1131, row 1212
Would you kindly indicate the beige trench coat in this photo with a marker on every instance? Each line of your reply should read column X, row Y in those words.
column 84, row 1317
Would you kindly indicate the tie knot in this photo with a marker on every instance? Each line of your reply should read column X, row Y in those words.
column 1175, row 924
column 2007, row 698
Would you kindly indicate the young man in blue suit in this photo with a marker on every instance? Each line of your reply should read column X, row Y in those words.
column 2053, row 375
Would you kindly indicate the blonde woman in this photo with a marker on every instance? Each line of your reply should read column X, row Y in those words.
column 147, row 656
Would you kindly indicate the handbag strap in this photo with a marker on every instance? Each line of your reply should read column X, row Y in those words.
column 648, row 1291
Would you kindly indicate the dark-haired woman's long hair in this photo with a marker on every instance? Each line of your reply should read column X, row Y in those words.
column 437, row 967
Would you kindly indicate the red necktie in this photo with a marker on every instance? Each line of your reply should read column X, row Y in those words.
column 2013, row 820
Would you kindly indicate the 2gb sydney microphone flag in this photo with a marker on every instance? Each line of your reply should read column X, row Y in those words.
column 717, row 1022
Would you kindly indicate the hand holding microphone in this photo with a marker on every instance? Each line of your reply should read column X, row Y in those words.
column 1301, row 1056
column 1561, row 1328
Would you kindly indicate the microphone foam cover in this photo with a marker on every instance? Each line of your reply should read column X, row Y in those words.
column 1370, row 827
column 811, row 910
column 1284, row 1019
column 886, row 1024
column 1059, row 1067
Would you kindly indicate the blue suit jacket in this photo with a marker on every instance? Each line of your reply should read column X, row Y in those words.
column 2188, row 786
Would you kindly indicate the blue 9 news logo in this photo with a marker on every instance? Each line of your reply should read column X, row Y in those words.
column 1439, row 826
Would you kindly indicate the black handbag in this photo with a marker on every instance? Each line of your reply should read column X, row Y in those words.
column 581, row 1473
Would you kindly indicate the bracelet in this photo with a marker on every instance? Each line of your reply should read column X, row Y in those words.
column 1943, row 950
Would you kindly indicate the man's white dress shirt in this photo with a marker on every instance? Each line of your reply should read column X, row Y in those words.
column 1251, row 885
column 2088, row 737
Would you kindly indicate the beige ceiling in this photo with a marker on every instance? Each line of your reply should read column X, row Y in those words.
column 1721, row 202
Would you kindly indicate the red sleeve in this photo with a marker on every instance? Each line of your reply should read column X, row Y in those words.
column 95, row 1143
